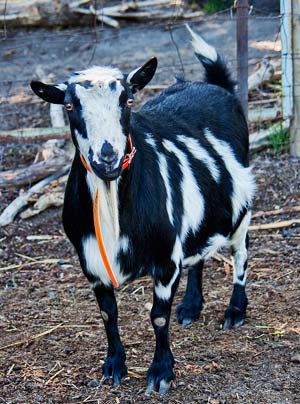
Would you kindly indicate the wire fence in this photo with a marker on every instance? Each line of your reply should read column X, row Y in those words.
column 52, row 55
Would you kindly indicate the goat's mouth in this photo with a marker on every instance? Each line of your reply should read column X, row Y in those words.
column 107, row 172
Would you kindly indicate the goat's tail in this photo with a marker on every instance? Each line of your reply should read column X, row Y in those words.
column 215, row 68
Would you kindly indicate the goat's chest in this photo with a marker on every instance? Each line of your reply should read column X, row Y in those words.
column 108, row 224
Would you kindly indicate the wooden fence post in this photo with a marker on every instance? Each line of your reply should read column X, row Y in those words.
column 242, row 9
column 295, row 121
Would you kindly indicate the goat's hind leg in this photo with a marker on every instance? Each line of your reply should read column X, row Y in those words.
column 236, row 312
column 190, row 308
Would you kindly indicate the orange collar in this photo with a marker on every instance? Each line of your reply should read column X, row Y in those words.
column 96, row 214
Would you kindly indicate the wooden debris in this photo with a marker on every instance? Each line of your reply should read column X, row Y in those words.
column 33, row 134
column 32, row 338
column 57, row 116
column 34, row 13
column 10, row 212
column 275, row 225
column 31, row 262
column 262, row 75
column 52, row 157
column 276, row 212
column 44, row 202
column 264, row 114
column 296, row 358
column 259, row 139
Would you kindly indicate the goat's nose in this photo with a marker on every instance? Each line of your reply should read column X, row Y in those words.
column 108, row 155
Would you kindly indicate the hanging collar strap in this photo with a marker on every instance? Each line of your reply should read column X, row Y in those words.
column 96, row 213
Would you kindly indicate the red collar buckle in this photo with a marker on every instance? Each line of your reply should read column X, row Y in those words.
column 129, row 156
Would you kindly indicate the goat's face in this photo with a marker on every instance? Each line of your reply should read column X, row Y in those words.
column 98, row 102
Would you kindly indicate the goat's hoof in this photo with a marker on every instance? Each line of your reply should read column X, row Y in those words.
column 187, row 313
column 114, row 369
column 160, row 375
column 234, row 317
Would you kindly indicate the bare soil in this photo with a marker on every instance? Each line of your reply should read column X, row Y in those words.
column 52, row 340
column 253, row 364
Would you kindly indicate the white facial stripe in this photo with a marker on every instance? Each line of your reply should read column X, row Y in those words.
column 163, row 168
column 100, row 111
column 164, row 292
column 201, row 154
column 97, row 74
column 242, row 178
column 193, row 201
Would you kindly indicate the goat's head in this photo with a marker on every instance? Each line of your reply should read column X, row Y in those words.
column 98, row 102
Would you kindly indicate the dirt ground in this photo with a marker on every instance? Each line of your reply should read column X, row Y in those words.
column 52, row 341
column 254, row 364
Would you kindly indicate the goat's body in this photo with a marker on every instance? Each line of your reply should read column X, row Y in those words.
column 187, row 193
column 155, row 215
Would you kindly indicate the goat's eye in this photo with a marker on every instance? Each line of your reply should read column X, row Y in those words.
column 69, row 107
column 129, row 102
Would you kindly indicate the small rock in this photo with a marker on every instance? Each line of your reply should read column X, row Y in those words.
column 148, row 306
column 286, row 233
column 296, row 358
column 93, row 383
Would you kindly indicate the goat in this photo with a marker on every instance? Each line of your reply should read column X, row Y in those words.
column 187, row 193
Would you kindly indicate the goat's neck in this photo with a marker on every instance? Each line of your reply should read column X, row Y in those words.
column 109, row 202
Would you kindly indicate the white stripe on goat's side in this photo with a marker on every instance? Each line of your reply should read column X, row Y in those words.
column 124, row 244
column 163, row 168
column 177, row 253
column 242, row 178
column 193, row 201
column 240, row 255
column 164, row 292
column 200, row 153
column 214, row 243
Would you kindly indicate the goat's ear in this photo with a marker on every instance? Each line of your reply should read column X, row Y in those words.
column 138, row 78
column 50, row 93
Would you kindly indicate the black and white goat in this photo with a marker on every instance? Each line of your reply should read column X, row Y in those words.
column 187, row 193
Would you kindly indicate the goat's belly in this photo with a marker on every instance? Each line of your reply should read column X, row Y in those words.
column 94, row 262
column 213, row 244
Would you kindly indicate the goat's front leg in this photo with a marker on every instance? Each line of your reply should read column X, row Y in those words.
column 161, row 372
column 114, row 366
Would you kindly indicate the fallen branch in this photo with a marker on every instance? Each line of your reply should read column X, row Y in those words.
column 262, row 75
column 57, row 116
column 276, row 212
column 100, row 16
column 276, row 225
column 44, row 202
column 33, row 134
column 30, row 263
column 10, row 212
column 52, row 156
column 32, row 338
column 264, row 114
